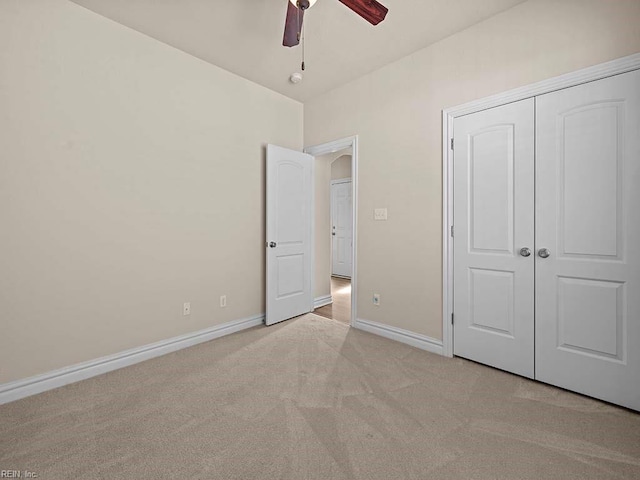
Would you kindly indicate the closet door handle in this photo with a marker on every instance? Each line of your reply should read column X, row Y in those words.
column 544, row 252
column 525, row 251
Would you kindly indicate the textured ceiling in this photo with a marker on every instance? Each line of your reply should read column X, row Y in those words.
column 245, row 37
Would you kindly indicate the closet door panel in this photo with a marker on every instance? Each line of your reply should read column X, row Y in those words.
column 493, row 220
column 588, row 218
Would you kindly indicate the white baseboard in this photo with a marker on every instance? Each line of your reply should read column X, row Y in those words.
column 322, row 301
column 400, row 335
column 48, row 381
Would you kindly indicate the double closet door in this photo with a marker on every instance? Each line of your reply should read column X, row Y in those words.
column 547, row 238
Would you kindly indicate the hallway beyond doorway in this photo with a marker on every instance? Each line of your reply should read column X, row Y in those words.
column 340, row 309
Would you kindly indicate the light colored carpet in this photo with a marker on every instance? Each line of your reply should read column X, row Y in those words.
column 313, row 399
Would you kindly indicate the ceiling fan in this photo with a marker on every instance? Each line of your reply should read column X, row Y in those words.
column 372, row 11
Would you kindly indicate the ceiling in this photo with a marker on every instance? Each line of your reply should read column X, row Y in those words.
column 245, row 37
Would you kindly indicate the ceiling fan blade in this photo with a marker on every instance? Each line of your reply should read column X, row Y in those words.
column 372, row 11
column 292, row 25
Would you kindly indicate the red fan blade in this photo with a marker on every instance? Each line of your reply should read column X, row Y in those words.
column 372, row 11
column 292, row 25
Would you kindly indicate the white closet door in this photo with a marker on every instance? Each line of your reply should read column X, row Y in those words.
column 588, row 217
column 493, row 221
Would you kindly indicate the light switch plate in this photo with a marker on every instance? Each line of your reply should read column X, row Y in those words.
column 379, row 213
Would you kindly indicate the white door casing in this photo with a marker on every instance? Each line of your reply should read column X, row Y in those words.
column 341, row 226
column 588, row 217
column 493, row 219
column 289, row 218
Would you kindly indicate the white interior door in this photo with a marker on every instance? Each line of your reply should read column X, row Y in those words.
column 493, row 221
column 289, row 229
column 588, row 217
column 341, row 228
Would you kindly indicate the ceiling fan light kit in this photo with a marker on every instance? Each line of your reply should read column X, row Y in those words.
column 303, row 4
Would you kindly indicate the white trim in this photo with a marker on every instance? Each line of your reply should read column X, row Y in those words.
column 18, row 389
column 589, row 74
column 340, row 180
column 331, row 147
column 417, row 340
column 322, row 301
column 447, row 241
column 312, row 238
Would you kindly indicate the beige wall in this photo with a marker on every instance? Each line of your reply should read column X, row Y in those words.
column 396, row 111
column 131, row 181
column 341, row 167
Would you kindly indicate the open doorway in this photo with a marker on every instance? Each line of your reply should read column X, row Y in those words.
column 334, row 234
column 334, row 224
column 340, row 307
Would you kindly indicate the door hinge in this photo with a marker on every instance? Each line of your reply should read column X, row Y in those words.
column 452, row 319
column 452, row 230
column 451, row 143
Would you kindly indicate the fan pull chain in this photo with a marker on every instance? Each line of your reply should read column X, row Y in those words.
column 302, row 66
column 300, row 32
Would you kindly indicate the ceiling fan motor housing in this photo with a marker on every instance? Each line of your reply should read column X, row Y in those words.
column 371, row 10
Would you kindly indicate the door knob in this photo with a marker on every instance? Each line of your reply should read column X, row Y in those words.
column 544, row 252
column 272, row 244
column 525, row 251
column 333, row 233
